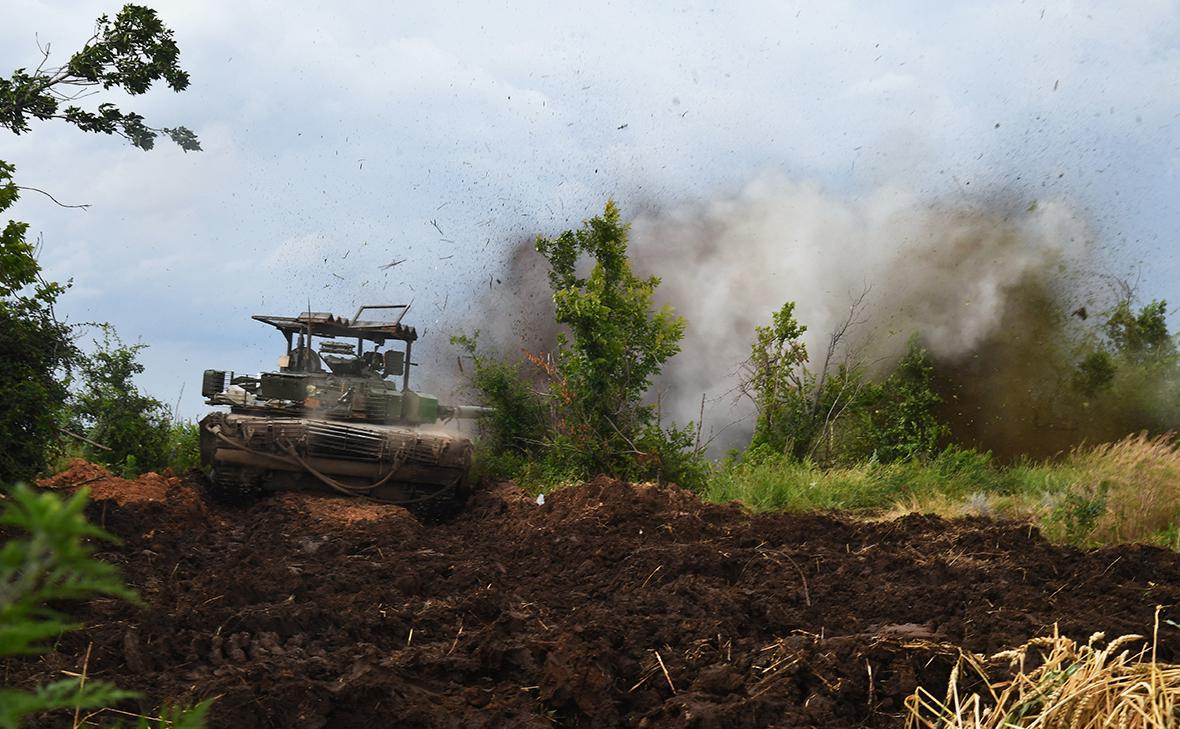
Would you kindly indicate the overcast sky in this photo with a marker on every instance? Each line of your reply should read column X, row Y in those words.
column 337, row 140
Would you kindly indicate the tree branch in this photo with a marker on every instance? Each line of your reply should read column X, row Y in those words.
column 51, row 197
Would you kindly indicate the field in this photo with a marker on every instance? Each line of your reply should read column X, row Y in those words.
column 612, row 604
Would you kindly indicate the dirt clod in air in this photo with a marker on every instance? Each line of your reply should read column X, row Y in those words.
column 610, row 605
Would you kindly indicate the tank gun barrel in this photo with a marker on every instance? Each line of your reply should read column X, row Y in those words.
column 465, row 412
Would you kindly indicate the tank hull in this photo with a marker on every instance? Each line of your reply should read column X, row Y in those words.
column 250, row 454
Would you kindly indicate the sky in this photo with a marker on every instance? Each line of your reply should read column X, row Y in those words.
column 340, row 139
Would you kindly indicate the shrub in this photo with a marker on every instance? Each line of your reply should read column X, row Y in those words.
column 589, row 418
column 518, row 422
column 54, row 564
column 114, row 413
column 184, row 446
column 39, row 351
column 617, row 344
column 900, row 412
column 833, row 412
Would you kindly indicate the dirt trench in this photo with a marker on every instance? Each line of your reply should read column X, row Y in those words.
column 612, row 604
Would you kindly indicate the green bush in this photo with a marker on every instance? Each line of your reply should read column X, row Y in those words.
column 834, row 413
column 52, row 564
column 586, row 415
column 127, row 53
column 134, row 428
column 184, row 446
column 517, row 425
column 39, row 351
column 900, row 413
column 617, row 343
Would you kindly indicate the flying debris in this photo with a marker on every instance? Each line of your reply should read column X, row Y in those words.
column 391, row 264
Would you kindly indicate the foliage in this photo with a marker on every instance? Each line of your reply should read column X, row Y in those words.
column 183, row 447
column 590, row 417
column 54, row 564
column 1129, row 345
column 1095, row 373
column 129, row 53
column 38, row 351
column 518, row 421
column 1076, row 516
column 1142, row 335
column 835, row 413
column 901, row 411
column 784, row 391
column 617, row 344
column 135, row 427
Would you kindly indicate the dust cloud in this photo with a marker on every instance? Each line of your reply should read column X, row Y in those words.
column 954, row 272
column 985, row 282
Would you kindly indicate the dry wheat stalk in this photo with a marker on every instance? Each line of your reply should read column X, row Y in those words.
column 1072, row 687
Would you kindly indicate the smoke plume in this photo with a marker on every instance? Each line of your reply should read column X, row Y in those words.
column 984, row 282
column 951, row 272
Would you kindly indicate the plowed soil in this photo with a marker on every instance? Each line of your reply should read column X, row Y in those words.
column 610, row 605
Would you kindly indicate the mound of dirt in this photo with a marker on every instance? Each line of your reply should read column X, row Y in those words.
column 611, row 605
column 105, row 486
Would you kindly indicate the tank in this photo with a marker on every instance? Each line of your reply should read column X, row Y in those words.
column 337, row 416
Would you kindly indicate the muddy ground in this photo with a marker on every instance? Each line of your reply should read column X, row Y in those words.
column 611, row 605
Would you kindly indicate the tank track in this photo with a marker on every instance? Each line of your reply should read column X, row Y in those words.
column 234, row 485
column 445, row 505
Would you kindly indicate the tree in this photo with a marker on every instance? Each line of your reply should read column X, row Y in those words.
column 798, row 407
column 778, row 382
column 583, row 414
column 617, row 344
column 133, row 426
column 129, row 53
column 1141, row 336
column 836, row 412
column 38, row 351
column 902, row 411
column 1128, row 345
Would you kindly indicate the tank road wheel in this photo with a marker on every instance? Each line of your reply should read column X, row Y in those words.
column 447, row 503
column 461, row 493
column 230, row 484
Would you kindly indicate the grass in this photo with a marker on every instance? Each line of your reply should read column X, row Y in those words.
column 1055, row 682
column 1127, row 491
column 958, row 481
column 1137, row 480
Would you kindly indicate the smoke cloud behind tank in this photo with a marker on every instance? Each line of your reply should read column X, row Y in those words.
column 984, row 282
column 948, row 271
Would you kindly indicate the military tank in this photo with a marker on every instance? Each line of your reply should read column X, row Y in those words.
column 333, row 418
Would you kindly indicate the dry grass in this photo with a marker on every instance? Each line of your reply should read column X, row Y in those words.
column 1053, row 683
column 1126, row 491
column 1138, row 478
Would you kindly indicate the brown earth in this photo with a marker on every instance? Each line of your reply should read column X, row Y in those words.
column 611, row 605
